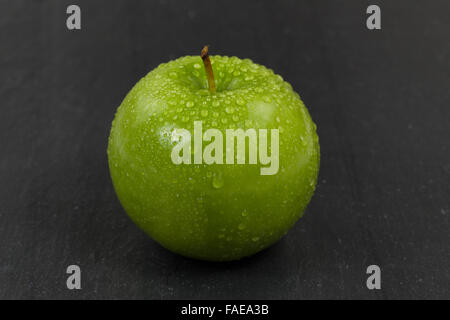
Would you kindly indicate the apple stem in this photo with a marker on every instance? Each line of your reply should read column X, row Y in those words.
column 209, row 70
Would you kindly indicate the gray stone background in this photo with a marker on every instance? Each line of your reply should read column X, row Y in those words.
column 380, row 100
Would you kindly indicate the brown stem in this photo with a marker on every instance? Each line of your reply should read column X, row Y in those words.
column 208, row 68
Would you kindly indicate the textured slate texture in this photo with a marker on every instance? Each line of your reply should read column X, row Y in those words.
column 380, row 100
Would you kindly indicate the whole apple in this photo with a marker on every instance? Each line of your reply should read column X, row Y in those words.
column 236, row 204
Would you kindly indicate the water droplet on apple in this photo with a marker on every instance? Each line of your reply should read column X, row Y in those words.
column 218, row 182
column 244, row 213
column 189, row 104
column 204, row 113
column 229, row 110
column 255, row 239
column 241, row 226
column 267, row 99
column 197, row 66
column 303, row 141
column 240, row 101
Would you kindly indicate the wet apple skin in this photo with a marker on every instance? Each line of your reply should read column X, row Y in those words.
column 217, row 212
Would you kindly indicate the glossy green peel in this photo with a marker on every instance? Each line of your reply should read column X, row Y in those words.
column 213, row 212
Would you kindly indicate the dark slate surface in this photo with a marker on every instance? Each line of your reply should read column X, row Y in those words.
column 380, row 100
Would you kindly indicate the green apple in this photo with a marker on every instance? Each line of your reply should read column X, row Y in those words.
column 213, row 211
